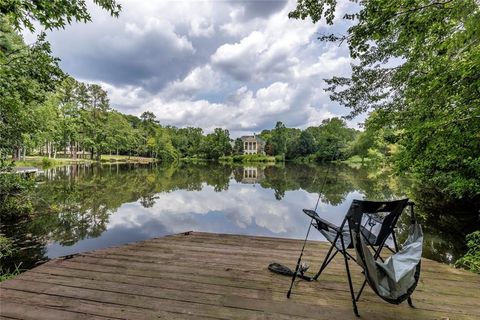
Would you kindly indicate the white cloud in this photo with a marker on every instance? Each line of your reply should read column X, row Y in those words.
column 245, row 111
column 200, row 79
column 184, row 210
column 231, row 64
column 158, row 27
column 201, row 27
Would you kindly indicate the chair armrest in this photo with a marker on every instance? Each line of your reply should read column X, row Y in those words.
column 323, row 224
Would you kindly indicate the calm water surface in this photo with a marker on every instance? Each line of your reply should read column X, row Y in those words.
column 86, row 207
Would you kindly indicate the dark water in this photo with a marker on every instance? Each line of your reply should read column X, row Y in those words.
column 81, row 208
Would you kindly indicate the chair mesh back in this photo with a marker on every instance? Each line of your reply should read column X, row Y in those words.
column 384, row 215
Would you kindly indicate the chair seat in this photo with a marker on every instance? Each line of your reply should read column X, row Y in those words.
column 330, row 231
column 331, row 235
column 321, row 223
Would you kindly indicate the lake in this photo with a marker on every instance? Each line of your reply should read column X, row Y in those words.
column 86, row 207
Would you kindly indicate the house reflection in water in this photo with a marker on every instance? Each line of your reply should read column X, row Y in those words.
column 252, row 175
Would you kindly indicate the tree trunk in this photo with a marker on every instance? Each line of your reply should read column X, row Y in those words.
column 74, row 151
column 74, row 173
column 15, row 154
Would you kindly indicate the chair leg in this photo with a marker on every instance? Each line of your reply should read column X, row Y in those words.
column 361, row 290
column 325, row 263
column 410, row 302
column 350, row 282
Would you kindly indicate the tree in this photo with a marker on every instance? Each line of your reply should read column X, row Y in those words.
column 27, row 75
column 279, row 139
column 52, row 15
column 292, row 140
column 306, row 144
column 216, row 144
column 119, row 133
column 164, row 149
column 363, row 143
column 70, row 115
column 95, row 113
column 266, row 135
column 148, row 116
column 376, row 143
column 187, row 140
column 238, row 147
column 49, row 130
column 419, row 67
column 194, row 136
column 333, row 138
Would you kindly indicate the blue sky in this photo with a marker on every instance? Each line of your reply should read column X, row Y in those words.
column 240, row 65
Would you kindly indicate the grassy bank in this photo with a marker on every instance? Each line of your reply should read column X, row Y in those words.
column 6, row 251
column 44, row 162
column 127, row 159
column 9, row 275
column 249, row 158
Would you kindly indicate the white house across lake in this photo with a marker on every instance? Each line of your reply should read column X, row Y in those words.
column 253, row 145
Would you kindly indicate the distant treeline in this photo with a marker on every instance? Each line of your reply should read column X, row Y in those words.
column 76, row 120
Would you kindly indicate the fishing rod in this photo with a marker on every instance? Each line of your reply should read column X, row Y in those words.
column 294, row 276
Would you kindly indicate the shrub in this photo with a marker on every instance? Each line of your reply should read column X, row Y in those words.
column 226, row 159
column 7, row 250
column 6, row 247
column 253, row 158
column 7, row 274
column 15, row 196
column 238, row 158
column 471, row 260
column 46, row 163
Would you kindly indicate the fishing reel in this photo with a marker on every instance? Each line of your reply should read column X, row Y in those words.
column 303, row 268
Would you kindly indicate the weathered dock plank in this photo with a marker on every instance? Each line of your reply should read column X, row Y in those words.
column 216, row 276
column 26, row 170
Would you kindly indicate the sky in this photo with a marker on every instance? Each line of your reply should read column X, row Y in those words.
column 239, row 65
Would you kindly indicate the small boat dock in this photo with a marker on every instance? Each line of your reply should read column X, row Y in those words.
column 216, row 276
column 26, row 170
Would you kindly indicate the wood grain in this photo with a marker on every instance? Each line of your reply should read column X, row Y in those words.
column 219, row 276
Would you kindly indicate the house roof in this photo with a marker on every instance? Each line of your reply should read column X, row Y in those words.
column 254, row 138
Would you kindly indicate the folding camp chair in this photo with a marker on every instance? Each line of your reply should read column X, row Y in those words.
column 370, row 225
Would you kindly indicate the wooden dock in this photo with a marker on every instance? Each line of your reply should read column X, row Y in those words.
column 216, row 276
column 26, row 170
column 23, row 170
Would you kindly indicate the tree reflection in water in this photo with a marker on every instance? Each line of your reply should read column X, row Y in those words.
column 76, row 203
